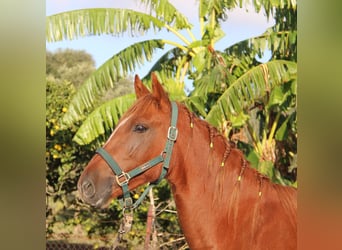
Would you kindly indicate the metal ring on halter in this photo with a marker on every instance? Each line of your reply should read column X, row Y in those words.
column 122, row 175
column 172, row 133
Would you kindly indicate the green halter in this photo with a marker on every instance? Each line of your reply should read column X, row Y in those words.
column 122, row 178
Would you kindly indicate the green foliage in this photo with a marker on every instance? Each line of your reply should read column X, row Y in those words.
column 69, row 65
column 250, row 88
column 106, row 78
column 64, row 158
column 98, row 21
column 166, row 12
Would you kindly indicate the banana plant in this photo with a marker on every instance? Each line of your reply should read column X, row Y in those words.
column 226, row 83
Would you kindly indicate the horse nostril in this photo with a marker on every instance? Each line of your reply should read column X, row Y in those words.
column 88, row 189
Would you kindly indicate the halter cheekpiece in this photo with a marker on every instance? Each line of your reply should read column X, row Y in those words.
column 123, row 178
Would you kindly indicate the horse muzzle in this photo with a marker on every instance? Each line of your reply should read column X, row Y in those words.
column 92, row 194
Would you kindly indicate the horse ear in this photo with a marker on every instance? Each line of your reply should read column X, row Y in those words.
column 157, row 89
column 140, row 89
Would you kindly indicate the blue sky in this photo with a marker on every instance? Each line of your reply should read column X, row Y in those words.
column 241, row 24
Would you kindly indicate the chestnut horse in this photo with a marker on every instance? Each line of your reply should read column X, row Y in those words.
column 222, row 202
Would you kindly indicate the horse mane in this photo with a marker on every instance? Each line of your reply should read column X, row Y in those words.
column 215, row 135
column 250, row 176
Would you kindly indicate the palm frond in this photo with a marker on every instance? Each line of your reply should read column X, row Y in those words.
column 107, row 75
column 165, row 11
column 218, row 8
column 196, row 104
column 221, row 8
column 280, row 42
column 103, row 119
column 269, row 6
column 211, row 81
column 167, row 63
column 79, row 23
column 250, row 87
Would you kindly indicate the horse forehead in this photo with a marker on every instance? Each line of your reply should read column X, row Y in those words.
column 142, row 110
column 121, row 124
column 128, row 117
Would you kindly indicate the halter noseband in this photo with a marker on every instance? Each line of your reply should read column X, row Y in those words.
column 122, row 177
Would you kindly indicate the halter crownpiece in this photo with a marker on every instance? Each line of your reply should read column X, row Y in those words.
column 123, row 178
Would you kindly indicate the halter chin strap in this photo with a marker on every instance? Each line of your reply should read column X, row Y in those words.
column 123, row 178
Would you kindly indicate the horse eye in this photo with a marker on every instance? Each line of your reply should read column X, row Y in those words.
column 140, row 128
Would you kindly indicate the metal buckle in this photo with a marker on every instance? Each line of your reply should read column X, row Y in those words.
column 128, row 203
column 172, row 133
column 125, row 181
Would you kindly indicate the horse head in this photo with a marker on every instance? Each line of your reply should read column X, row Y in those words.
column 139, row 136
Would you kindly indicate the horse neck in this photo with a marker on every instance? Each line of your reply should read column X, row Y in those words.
column 210, row 195
column 207, row 178
column 202, row 156
column 204, row 166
